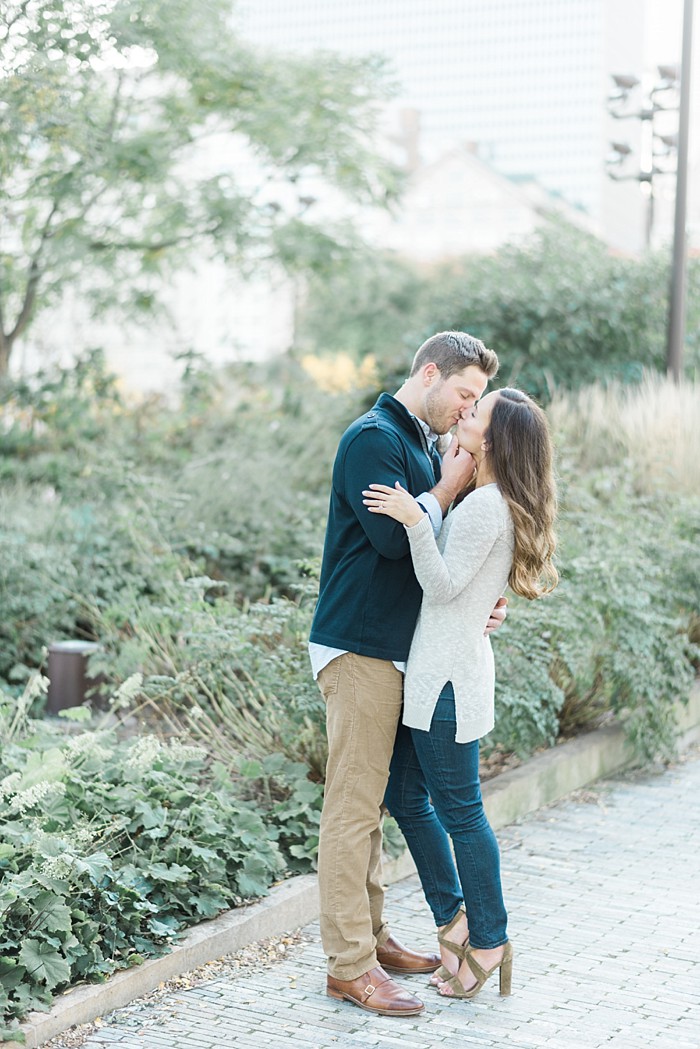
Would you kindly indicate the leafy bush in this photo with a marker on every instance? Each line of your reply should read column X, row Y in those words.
column 65, row 561
column 290, row 802
column 559, row 309
column 237, row 680
column 146, row 549
column 108, row 848
column 612, row 639
column 619, row 635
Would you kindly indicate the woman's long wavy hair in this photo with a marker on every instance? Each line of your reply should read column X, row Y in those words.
column 519, row 453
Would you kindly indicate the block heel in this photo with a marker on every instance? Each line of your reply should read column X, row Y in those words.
column 505, row 975
column 505, row 972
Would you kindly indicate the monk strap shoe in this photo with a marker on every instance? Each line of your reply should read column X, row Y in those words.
column 376, row 992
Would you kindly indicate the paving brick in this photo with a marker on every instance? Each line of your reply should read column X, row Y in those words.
column 605, row 930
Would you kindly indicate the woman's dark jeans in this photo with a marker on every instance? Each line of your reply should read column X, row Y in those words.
column 434, row 791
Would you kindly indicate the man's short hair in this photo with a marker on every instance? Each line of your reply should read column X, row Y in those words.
column 452, row 352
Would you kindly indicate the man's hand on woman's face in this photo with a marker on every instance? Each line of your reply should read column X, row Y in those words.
column 458, row 466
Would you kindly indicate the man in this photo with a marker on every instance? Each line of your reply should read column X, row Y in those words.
column 360, row 637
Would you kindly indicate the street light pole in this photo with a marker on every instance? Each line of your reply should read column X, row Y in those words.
column 653, row 103
column 676, row 309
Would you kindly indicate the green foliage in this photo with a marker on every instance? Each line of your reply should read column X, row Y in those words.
column 563, row 312
column 613, row 638
column 209, row 594
column 374, row 305
column 55, row 412
column 116, row 115
column 528, row 700
column 289, row 801
column 108, row 848
column 238, row 680
column 560, row 311
column 67, row 559
column 258, row 476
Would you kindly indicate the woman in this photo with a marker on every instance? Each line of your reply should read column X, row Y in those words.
column 502, row 532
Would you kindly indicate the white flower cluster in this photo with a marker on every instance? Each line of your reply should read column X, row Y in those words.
column 10, row 784
column 144, row 752
column 87, row 743
column 127, row 692
column 180, row 751
column 56, row 867
column 38, row 685
column 32, row 796
column 83, row 834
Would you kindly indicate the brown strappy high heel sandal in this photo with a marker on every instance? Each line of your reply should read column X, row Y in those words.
column 459, row 949
column 505, row 975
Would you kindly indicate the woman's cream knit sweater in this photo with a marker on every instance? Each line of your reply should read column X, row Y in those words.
column 462, row 573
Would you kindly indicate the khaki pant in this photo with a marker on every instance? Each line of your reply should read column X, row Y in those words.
column 363, row 705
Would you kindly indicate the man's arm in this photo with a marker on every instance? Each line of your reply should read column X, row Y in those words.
column 375, row 455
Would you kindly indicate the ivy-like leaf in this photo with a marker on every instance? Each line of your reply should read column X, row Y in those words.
column 254, row 879
column 98, row 867
column 42, row 767
column 44, row 964
column 52, row 914
column 12, row 1033
column 11, row 973
column 209, row 903
column 173, row 872
column 161, row 929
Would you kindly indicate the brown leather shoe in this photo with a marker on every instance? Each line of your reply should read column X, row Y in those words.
column 398, row 959
column 376, row 992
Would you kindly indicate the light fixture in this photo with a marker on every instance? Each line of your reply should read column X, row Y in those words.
column 626, row 82
column 672, row 74
column 645, row 108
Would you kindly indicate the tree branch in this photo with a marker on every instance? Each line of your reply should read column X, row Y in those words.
column 162, row 245
column 116, row 102
column 34, row 276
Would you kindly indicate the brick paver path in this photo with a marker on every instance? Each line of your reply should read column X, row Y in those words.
column 604, row 898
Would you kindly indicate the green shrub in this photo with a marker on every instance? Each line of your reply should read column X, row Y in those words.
column 147, row 549
column 108, row 848
column 613, row 638
column 289, row 802
column 559, row 309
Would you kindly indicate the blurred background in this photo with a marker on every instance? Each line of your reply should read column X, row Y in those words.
column 501, row 118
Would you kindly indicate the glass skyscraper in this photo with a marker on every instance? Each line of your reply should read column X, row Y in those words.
column 523, row 81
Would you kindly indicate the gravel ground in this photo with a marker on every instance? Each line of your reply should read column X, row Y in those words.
column 255, row 957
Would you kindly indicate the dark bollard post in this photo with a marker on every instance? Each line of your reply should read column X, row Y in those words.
column 67, row 678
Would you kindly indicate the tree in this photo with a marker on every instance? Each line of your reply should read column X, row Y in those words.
column 132, row 130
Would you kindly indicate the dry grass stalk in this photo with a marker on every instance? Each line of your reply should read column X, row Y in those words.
column 654, row 426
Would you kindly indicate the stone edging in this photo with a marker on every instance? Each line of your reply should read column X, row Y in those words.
column 546, row 778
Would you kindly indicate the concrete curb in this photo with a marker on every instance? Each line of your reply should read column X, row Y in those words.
column 546, row 778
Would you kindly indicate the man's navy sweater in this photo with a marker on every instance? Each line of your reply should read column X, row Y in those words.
column 369, row 596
